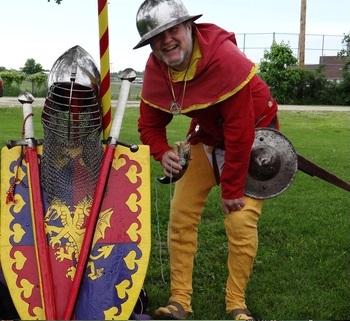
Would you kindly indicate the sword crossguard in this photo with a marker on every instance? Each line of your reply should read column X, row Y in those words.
column 30, row 142
column 133, row 147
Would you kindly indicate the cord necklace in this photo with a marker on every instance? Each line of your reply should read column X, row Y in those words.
column 175, row 107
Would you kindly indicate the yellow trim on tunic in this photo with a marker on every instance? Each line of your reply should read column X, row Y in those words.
column 223, row 97
column 187, row 75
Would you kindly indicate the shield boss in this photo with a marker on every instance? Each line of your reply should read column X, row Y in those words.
column 273, row 164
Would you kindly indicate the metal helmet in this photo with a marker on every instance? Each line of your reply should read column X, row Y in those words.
column 72, row 107
column 156, row 16
column 273, row 164
column 72, row 121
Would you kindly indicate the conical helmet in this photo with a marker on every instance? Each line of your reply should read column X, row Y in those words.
column 155, row 16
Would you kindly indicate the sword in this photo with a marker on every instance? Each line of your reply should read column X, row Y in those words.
column 127, row 77
column 37, row 210
column 313, row 169
column 267, row 187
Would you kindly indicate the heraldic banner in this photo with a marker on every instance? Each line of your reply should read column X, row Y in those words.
column 120, row 250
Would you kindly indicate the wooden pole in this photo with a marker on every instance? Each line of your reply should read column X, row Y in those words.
column 302, row 34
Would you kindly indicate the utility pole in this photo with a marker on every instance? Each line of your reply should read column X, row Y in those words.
column 302, row 34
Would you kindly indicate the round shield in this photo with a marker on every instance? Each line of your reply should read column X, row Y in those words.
column 273, row 164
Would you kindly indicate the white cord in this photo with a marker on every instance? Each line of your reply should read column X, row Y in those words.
column 158, row 224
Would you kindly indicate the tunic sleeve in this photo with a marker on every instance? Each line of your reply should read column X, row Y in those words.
column 152, row 128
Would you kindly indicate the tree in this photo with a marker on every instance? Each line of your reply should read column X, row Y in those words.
column 9, row 77
column 38, row 81
column 57, row 1
column 346, row 42
column 18, row 78
column 344, row 55
column 279, row 70
column 290, row 84
column 31, row 67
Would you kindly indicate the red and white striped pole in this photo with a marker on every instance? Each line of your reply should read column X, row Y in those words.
column 104, row 66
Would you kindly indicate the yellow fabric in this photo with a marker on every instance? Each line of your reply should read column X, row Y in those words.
column 190, row 195
column 185, row 75
column 242, row 234
column 243, row 317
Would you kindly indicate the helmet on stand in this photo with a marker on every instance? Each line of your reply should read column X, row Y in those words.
column 72, row 106
column 156, row 16
column 72, row 121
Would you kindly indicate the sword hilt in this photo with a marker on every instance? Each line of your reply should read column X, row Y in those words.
column 26, row 99
column 133, row 147
column 24, row 142
column 127, row 77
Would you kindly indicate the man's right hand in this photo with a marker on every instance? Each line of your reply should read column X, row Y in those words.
column 231, row 205
column 169, row 163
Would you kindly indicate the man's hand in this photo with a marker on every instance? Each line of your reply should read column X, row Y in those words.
column 230, row 205
column 169, row 163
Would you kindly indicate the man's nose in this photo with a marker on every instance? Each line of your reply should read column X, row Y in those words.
column 166, row 36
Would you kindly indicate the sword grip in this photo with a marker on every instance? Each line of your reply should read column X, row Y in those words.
column 26, row 99
column 127, row 77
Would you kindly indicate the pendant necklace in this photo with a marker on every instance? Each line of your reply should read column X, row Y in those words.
column 175, row 107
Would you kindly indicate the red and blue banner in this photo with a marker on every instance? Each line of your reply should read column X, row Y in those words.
column 119, row 255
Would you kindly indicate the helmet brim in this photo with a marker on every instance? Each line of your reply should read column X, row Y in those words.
column 146, row 39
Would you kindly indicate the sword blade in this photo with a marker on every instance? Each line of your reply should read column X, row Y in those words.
column 313, row 169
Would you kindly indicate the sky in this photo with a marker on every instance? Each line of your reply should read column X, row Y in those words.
column 44, row 30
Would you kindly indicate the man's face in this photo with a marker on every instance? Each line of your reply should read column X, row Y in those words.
column 174, row 46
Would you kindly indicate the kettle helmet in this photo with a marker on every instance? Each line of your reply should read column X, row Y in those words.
column 156, row 16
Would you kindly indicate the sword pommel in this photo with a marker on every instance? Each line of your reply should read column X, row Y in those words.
column 25, row 98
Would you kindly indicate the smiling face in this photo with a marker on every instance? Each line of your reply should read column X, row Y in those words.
column 174, row 46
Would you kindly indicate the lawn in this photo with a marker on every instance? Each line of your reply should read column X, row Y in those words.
column 302, row 267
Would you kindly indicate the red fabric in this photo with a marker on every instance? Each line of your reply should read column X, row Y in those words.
column 223, row 73
column 265, row 107
column 229, row 124
column 212, row 79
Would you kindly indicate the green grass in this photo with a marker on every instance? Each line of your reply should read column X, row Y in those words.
column 135, row 91
column 302, row 267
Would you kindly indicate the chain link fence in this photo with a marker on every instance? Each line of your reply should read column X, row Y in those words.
column 316, row 45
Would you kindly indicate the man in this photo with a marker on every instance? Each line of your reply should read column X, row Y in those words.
column 197, row 70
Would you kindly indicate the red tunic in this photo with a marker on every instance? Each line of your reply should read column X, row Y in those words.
column 219, row 99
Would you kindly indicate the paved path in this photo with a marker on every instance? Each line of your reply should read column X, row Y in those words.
column 324, row 108
column 13, row 101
